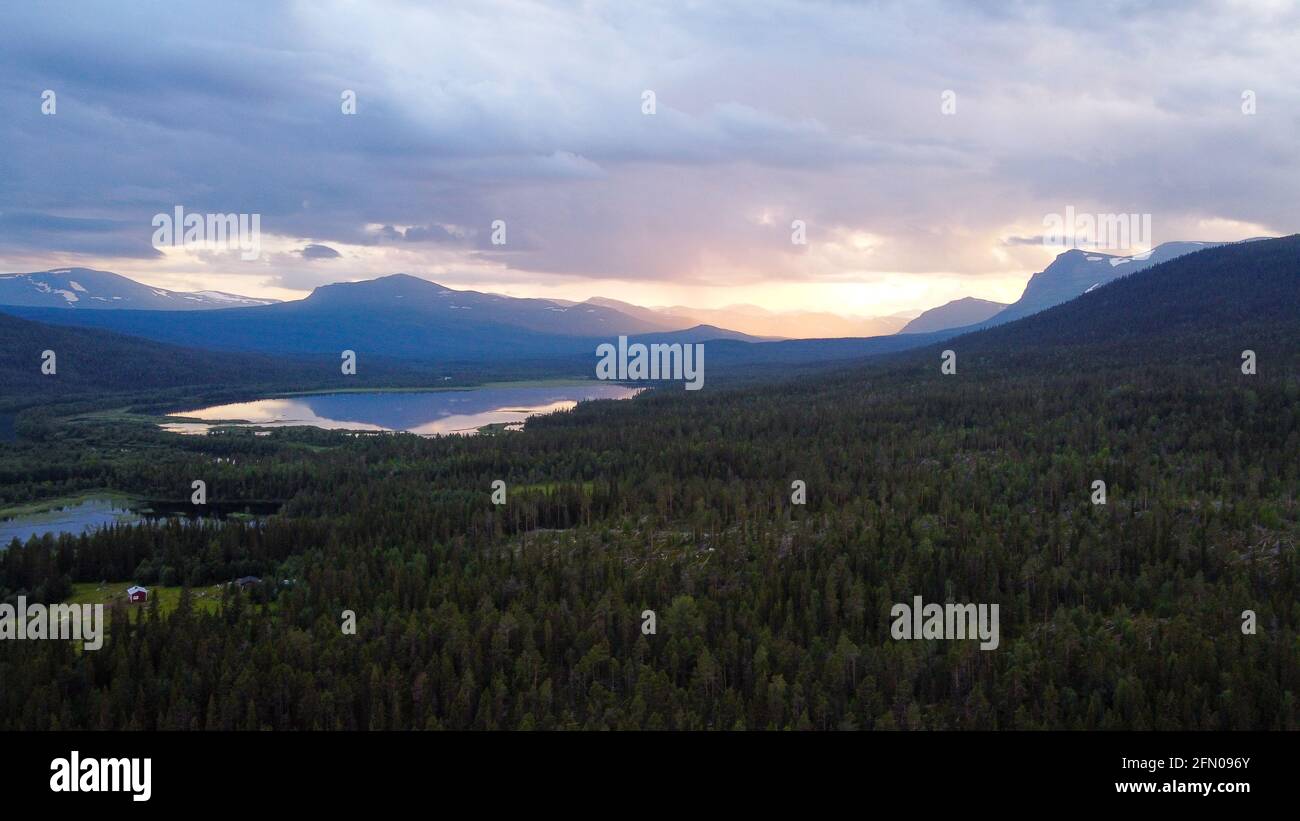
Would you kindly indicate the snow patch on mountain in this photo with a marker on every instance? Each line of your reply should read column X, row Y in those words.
column 234, row 299
column 87, row 288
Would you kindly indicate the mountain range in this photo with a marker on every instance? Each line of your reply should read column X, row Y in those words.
column 398, row 316
column 408, row 318
column 85, row 288
column 1222, row 299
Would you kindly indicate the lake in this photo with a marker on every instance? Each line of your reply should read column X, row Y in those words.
column 83, row 515
column 76, row 517
column 423, row 412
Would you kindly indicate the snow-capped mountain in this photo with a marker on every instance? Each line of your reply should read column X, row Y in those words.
column 1076, row 272
column 87, row 288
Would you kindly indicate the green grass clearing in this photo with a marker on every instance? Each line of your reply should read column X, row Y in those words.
column 206, row 599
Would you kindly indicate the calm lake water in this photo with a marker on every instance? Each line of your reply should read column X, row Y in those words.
column 88, row 514
column 424, row 412
column 75, row 518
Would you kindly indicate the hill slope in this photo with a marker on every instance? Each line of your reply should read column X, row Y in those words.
column 91, row 363
column 93, row 360
column 955, row 314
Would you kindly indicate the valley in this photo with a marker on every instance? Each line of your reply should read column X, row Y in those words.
column 478, row 611
column 391, row 390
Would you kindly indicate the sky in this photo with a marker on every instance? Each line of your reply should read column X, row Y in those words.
column 922, row 147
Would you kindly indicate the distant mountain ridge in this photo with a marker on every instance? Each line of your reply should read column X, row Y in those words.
column 1221, row 300
column 86, row 288
column 661, row 320
column 409, row 294
column 397, row 316
column 955, row 314
column 797, row 324
column 410, row 318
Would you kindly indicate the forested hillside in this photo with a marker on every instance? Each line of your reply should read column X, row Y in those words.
column 87, row 361
column 970, row 487
column 95, row 367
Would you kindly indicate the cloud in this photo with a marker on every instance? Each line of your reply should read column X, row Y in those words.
column 765, row 112
column 36, row 232
column 417, row 233
column 315, row 251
